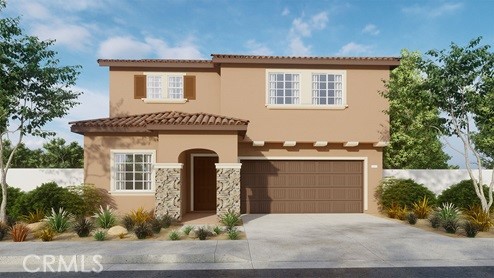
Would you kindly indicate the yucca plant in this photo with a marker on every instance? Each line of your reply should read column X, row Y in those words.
column 174, row 235
column 33, row 216
column 230, row 219
column 58, row 221
column 449, row 215
column 105, row 217
column 19, row 232
column 100, row 235
column 83, row 227
column 187, row 229
column 217, row 230
column 233, row 234
column 46, row 234
column 422, row 209
column 477, row 216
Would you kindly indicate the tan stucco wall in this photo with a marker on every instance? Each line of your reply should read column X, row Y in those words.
column 97, row 165
column 243, row 95
column 374, row 157
column 122, row 100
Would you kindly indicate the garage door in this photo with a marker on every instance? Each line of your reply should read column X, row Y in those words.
column 301, row 186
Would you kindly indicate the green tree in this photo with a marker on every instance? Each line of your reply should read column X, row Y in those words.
column 461, row 83
column 59, row 155
column 24, row 157
column 414, row 139
column 34, row 89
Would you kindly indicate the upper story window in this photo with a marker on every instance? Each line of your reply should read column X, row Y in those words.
column 284, row 88
column 327, row 89
column 305, row 89
column 157, row 87
column 132, row 170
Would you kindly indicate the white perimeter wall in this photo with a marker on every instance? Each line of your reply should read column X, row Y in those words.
column 437, row 180
column 28, row 179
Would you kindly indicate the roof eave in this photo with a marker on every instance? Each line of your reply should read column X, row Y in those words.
column 156, row 64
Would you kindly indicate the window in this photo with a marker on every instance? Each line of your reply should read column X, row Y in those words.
column 132, row 171
column 306, row 89
column 175, row 87
column 154, row 86
column 284, row 88
column 327, row 89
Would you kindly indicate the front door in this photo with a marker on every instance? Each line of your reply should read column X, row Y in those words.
column 204, row 182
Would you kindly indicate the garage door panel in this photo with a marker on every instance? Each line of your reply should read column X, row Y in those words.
column 290, row 186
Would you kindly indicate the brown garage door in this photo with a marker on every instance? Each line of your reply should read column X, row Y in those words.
column 301, row 186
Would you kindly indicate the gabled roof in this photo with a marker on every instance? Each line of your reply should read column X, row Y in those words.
column 167, row 120
column 218, row 59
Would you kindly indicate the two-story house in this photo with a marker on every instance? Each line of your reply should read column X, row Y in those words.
column 251, row 134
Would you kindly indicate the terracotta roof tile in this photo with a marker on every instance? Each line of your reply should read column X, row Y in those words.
column 259, row 57
column 161, row 120
column 164, row 61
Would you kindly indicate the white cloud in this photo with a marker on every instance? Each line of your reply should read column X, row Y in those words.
column 126, row 47
column 354, row 49
column 302, row 28
column 36, row 10
column 371, row 29
column 73, row 36
column 285, row 12
column 256, row 48
column 432, row 12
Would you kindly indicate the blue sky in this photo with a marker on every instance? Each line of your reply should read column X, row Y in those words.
column 86, row 30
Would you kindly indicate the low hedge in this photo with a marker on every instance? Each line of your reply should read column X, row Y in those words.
column 402, row 192
column 461, row 194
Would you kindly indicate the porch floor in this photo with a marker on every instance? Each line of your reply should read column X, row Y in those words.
column 200, row 217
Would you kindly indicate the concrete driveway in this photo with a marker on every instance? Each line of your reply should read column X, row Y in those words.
column 355, row 240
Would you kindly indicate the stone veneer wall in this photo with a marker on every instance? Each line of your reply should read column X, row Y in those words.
column 167, row 197
column 228, row 190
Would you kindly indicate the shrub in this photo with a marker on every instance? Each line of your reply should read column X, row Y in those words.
column 470, row 228
column 462, row 195
column 477, row 216
column 187, row 229
column 174, row 235
column 13, row 210
column 230, row 220
column 155, row 225
column 92, row 198
column 4, row 228
column 403, row 192
column 393, row 210
column 166, row 221
column 128, row 222
column 233, row 234
column 203, row 233
column 217, row 230
column 435, row 220
column 83, row 227
column 100, row 235
column 34, row 216
column 448, row 215
column 19, row 232
column 58, row 221
column 105, row 217
column 48, row 196
column 142, row 230
column 46, row 234
column 412, row 218
column 422, row 208
column 140, row 216
column 402, row 213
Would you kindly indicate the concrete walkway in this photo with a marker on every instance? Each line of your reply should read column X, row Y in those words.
column 274, row 241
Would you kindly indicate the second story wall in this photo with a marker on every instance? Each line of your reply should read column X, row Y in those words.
column 244, row 94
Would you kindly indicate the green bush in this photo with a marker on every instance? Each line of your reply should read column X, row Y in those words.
column 92, row 199
column 13, row 196
column 48, row 196
column 462, row 195
column 401, row 192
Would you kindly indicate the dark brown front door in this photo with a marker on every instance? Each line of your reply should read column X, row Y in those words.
column 301, row 186
column 205, row 183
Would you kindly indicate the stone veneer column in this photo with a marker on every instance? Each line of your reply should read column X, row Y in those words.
column 167, row 183
column 227, row 188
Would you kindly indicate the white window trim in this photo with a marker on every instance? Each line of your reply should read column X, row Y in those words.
column 164, row 91
column 363, row 159
column 305, row 88
column 113, row 190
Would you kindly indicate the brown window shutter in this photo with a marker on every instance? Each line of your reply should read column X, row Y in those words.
column 139, row 86
column 190, row 87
